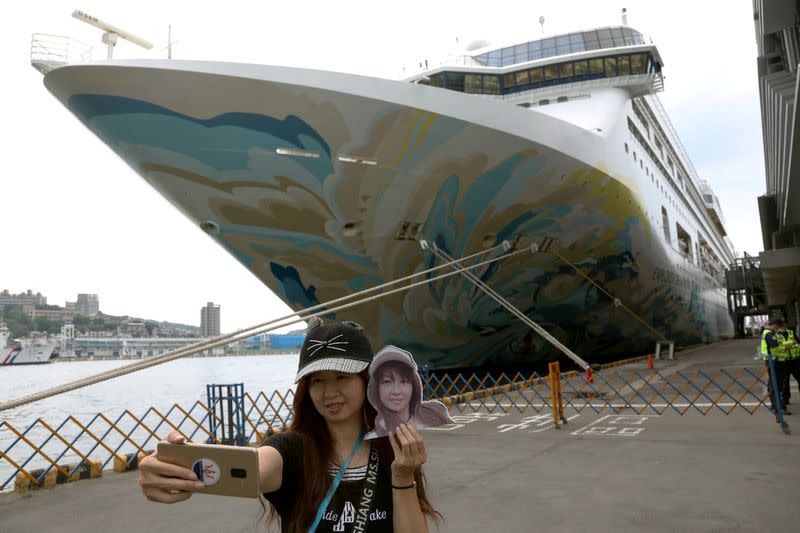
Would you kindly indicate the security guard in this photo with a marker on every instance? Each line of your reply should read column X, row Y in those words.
column 792, row 364
column 772, row 347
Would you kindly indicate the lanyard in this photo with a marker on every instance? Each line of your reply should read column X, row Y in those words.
column 325, row 501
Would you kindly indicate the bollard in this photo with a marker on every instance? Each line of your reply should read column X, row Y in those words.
column 589, row 375
column 650, row 365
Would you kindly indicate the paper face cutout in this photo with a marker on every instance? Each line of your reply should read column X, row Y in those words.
column 395, row 391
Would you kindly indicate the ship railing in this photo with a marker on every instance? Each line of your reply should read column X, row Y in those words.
column 52, row 51
column 664, row 118
column 43, row 454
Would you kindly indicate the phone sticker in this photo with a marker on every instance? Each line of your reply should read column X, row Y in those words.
column 207, row 471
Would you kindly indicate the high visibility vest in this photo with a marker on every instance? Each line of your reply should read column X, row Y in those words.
column 765, row 350
column 781, row 353
column 793, row 351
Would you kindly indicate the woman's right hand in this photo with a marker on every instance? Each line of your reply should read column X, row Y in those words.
column 166, row 482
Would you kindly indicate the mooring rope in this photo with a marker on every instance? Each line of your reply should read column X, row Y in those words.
column 271, row 325
column 616, row 300
column 513, row 310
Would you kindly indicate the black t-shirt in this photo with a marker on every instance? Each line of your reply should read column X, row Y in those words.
column 340, row 514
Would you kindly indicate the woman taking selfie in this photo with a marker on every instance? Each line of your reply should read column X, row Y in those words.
column 320, row 475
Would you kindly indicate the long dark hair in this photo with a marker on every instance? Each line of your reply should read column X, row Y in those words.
column 426, row 413
column 317, row 452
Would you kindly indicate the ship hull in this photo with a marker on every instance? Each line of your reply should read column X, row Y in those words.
column 27, row 355
column 457, row 170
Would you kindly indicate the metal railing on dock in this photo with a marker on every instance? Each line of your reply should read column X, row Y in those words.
column 42, row 454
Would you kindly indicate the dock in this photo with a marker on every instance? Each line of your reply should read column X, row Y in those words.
column 515, row 472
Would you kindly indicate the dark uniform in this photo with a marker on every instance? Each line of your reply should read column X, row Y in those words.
column 771, row 346
column 792, row 366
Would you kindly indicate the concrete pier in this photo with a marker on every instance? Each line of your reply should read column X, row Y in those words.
column 516, row 473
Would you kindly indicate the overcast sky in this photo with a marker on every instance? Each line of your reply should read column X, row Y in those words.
column 75, row 218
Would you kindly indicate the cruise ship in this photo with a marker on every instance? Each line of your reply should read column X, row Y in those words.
column 322, row 184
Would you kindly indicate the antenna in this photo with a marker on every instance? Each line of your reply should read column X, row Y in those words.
column 541, row 23
column 624, row 17
column 112, row 33
column 170, row 42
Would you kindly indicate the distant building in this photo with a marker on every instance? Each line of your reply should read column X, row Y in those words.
column 133, row 329
column 23, row 298
column 32, row 312
column 87, row 304
column 209, row 320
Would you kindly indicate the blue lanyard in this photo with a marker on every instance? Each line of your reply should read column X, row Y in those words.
column 325, row 501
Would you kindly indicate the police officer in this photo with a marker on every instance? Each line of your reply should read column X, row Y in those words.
column 792, row 364
column 771, row 346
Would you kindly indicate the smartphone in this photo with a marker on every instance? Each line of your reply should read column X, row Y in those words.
column 225, row 470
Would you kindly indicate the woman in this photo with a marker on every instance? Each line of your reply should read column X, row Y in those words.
column 395, row 390
column 381, row 487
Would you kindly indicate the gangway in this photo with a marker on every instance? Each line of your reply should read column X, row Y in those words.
column 747, row 295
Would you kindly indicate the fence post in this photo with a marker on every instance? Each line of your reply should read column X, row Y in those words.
column 424, row 374
column 776, row 389
column 226, row 414
column 554, row 377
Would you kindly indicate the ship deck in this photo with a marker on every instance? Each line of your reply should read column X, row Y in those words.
column 678, row 473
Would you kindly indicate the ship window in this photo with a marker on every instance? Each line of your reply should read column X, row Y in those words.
column 521, row 53
column 605, row 38
column 581, row 68
column 536, row 75
column 624, row 66
column 455, row 81
column 535, row 50
column 628, row 34
column 665, row 222
column 565, row 70
column 522, row 77
column 551, row 72
column 637, row 64
column 634, row 156
column 611, row 66
column 436, row 80
column 473, row 83
column 508, row 55
column 544, row 101
column 508, row 80
column 562, row 44
column 626, row 148
column 616, row 33
column 684, row 241
column 562, row 99
column 590, row 40
column 576, row 42
column 491, row 84
column 596, row 66
column 548, row 47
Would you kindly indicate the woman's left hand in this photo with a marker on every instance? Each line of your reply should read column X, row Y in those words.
column 409, row 453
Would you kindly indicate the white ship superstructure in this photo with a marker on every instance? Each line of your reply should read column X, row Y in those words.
column 322, row 183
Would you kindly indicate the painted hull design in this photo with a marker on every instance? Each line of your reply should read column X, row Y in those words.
column 454, row 169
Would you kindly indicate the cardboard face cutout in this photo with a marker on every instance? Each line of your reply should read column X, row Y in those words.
column 395, row 391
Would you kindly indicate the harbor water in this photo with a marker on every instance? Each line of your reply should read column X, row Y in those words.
column 182, row 381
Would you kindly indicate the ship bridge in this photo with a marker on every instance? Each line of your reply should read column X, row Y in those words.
column 612, row 57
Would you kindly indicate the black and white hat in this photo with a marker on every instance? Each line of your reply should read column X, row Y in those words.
column 339, row 347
